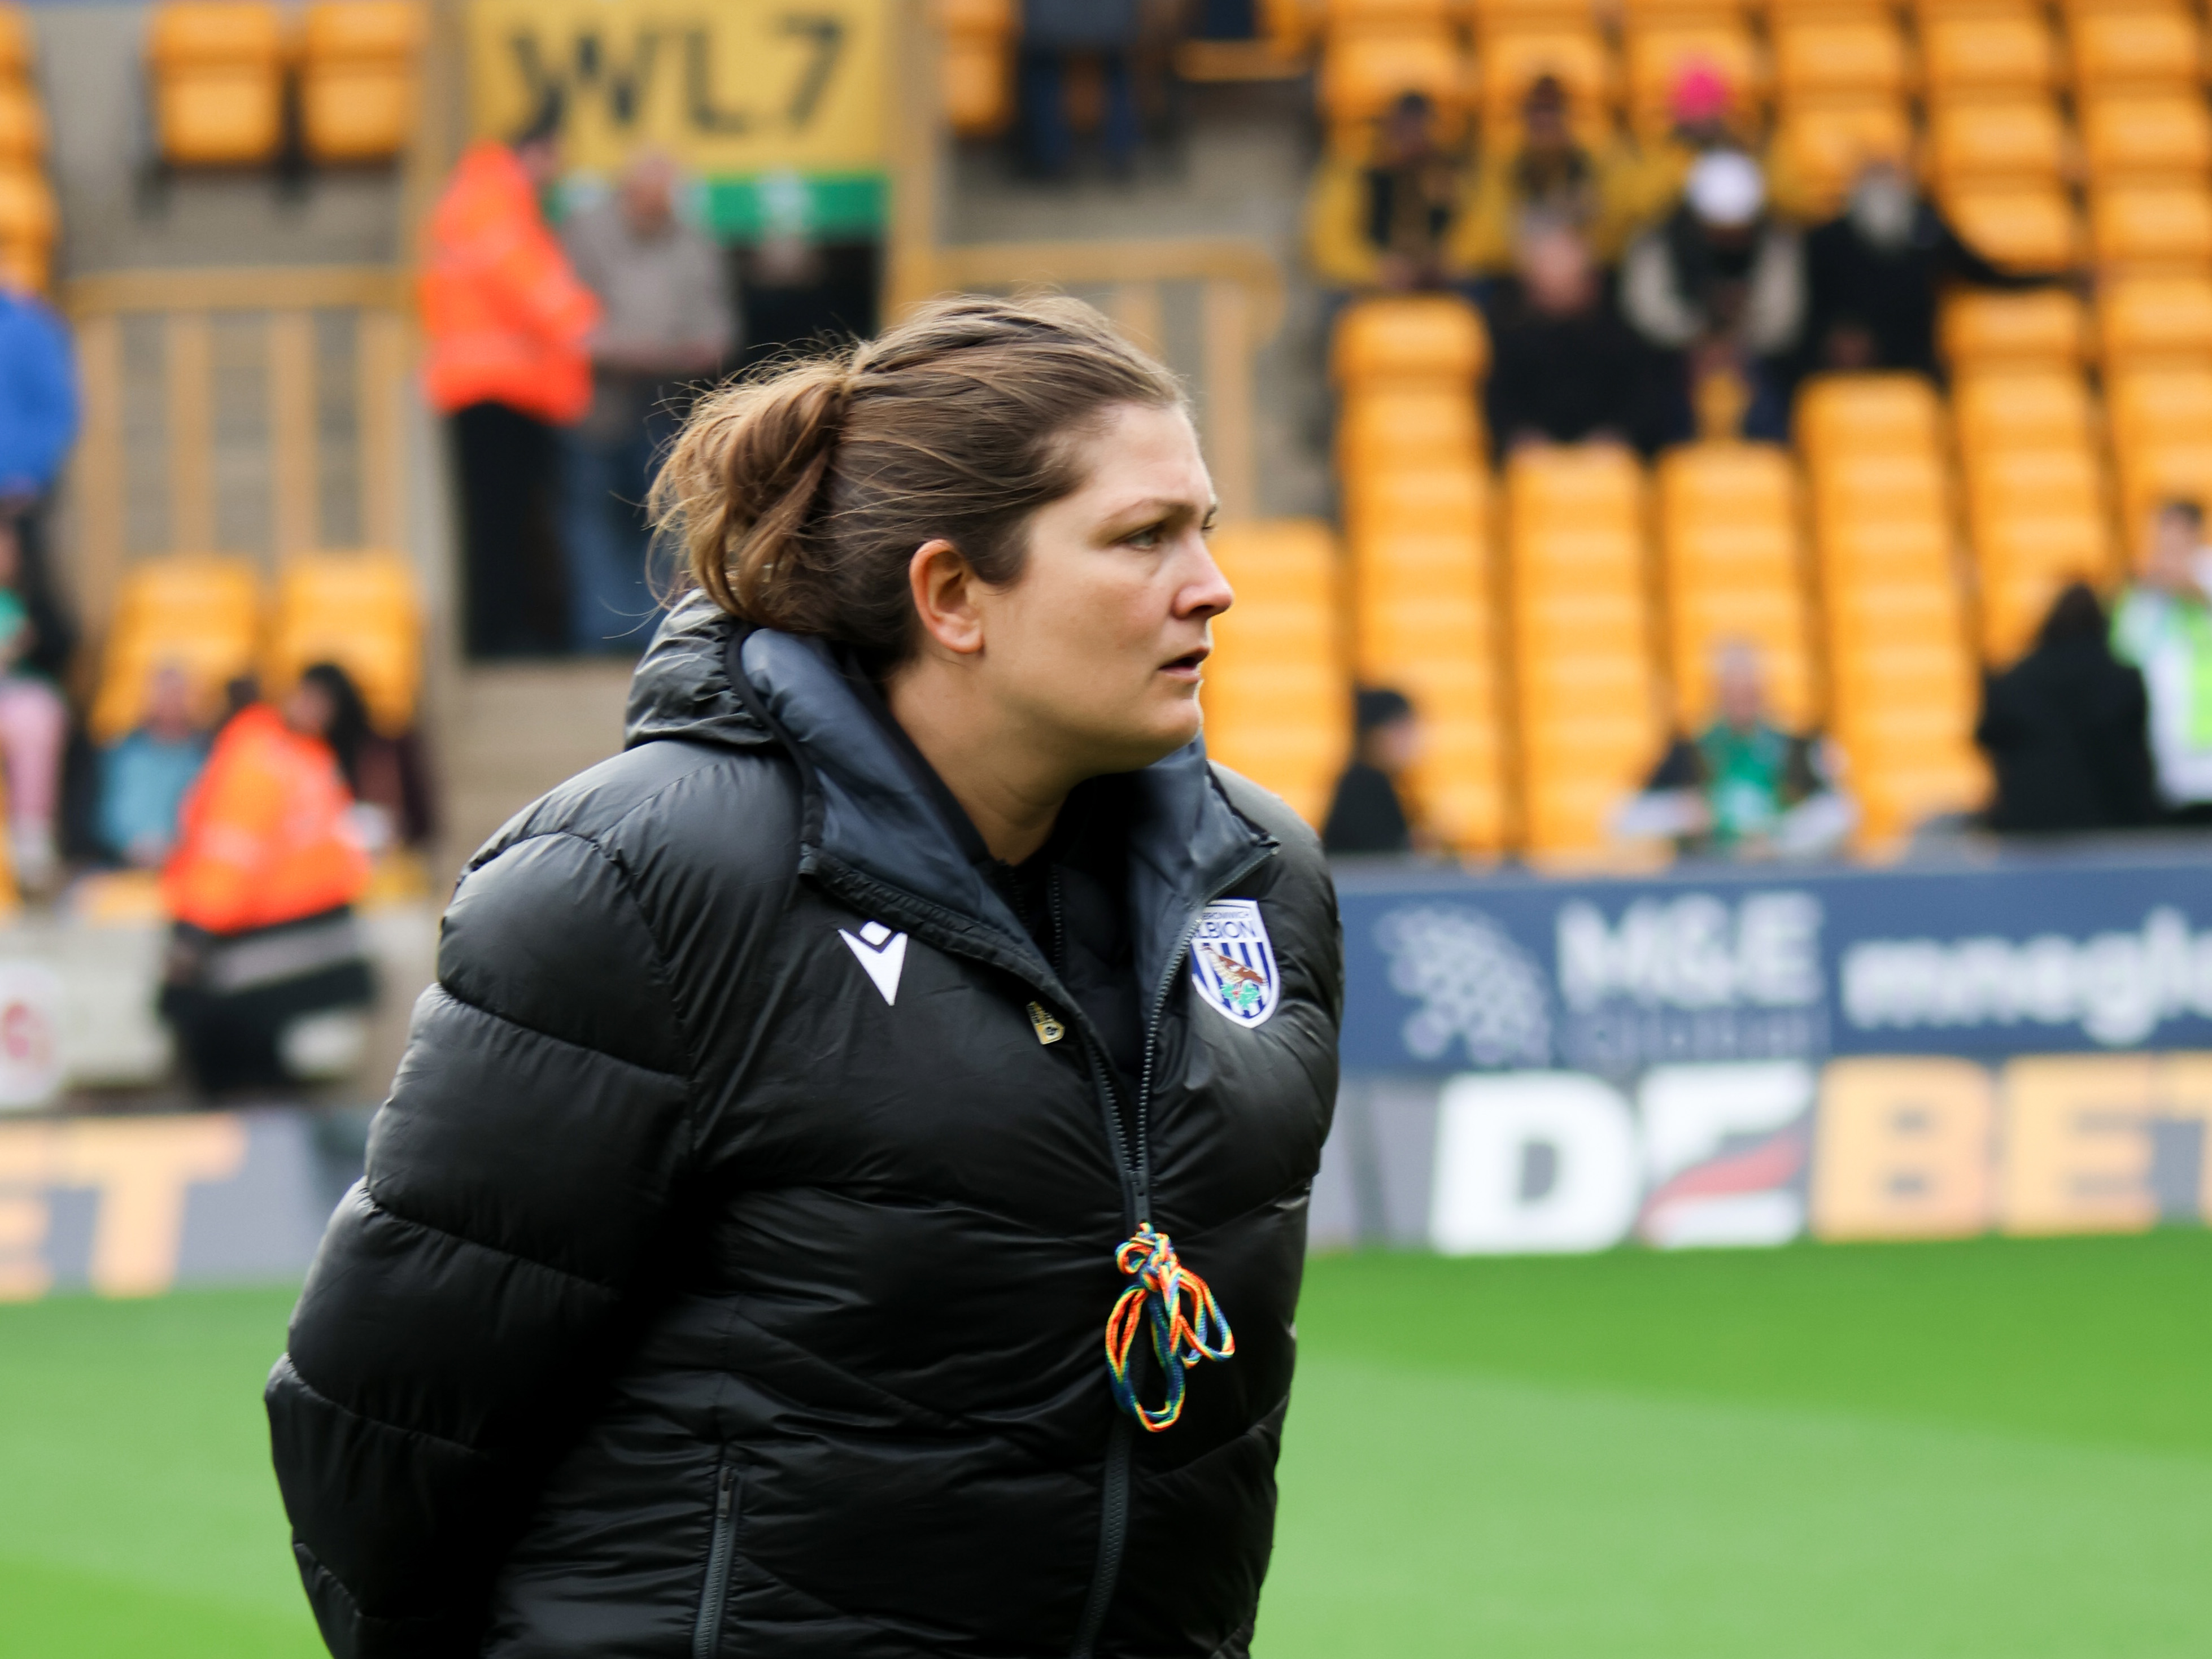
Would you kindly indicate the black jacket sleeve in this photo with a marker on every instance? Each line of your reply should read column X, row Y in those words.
column 472, row 1287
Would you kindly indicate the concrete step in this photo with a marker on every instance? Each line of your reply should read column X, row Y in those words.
column 509, row 733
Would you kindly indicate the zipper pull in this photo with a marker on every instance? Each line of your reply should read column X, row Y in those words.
column 722, row 1493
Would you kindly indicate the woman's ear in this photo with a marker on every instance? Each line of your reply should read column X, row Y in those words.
column 944, row 593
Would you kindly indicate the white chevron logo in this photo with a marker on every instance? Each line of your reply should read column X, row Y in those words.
column 883, row 953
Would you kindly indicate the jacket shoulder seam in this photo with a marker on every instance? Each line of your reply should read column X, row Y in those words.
column 380, row 1204
column 386, row 1424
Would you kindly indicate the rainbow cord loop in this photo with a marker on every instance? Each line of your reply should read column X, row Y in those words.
column 1180, row 1340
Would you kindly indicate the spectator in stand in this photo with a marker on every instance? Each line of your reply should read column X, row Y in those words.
column 1550, row 177
column 2065, row 728
column 1701, row 110
column 1367, row 814
column 1565, row 368
column 38, row 424
column 506, row 322
column 1053, row 33
column 34, row 719
column 2163, row 628
column 144, row 775
column 1386, row 222
column 1872, row 275
column 1723, row 280
column 262, row 885
column 1743, row 787
column 665, row 318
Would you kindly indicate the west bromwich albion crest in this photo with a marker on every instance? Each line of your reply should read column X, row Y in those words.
column 1232, row 963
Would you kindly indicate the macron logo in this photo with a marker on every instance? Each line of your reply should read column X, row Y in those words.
column 883, row 953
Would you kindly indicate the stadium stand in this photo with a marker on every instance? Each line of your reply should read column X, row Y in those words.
column 2035, row 325
column 1417, row 528
column 217, row 68
column 1277, row 695
column 1902, row 684
column 1584, row 678
column 358, row 73
column 2162, row 427
column 1659, row 48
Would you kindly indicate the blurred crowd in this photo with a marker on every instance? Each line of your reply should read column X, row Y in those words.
column 1648, row 294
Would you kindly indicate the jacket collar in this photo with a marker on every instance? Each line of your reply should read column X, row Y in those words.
column 876, row 828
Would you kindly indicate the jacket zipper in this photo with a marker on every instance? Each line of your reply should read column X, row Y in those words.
column 714, row 1594
column 1114, row 1517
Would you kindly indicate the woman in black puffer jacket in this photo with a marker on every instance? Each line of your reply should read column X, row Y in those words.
column 804, row 1091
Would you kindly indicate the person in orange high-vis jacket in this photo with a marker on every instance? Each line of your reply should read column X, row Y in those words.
column 505, row 321
column 261, row 886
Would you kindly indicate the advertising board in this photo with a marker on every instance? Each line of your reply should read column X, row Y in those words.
column 1742, row 1056
column 781, row 108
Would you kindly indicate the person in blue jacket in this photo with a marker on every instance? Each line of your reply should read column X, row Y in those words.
column 38, row 425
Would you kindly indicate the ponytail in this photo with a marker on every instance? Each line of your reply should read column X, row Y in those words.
column 799, row 496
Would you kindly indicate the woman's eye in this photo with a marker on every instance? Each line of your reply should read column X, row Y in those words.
column 1148, row 537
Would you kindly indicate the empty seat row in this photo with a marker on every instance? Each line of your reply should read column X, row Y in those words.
column 207, row 615
column 218, row 70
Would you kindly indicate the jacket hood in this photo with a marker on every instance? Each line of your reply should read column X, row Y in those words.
column 682, row 686
column 876, row 821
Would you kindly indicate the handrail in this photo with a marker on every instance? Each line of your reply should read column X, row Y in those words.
column 238, row 287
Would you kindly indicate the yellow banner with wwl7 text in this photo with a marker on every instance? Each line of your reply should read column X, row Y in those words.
column 729, row 87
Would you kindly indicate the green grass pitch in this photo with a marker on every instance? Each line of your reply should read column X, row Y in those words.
column 1999, row 1448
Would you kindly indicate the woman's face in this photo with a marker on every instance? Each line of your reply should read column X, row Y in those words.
column 1097, row 646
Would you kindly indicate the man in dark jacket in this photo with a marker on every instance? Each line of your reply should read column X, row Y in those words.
column 2065, row 728
column 1565, row 368
column 729, row 1271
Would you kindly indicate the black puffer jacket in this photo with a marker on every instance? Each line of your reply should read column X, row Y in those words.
column 731, row 1273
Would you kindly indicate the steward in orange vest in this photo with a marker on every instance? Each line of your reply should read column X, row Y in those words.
column 505, row 315
column 261, row 884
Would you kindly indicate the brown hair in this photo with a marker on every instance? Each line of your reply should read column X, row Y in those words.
column 800, row 495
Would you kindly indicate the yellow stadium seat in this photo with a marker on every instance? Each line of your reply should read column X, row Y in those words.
column 200, row 613
column 358, row 76
column 360, row 610
column 1975, row 54
column 1514, row 54
column 17, row 49
column 1977, row 138
column 2135, row 46
column 1278, row 698
column 218, row 81
column 2040, row 325
column 1826, row 57
column 2011, row 406
column 976, row 64
column 1822, row 145
column 2161, row 424
column 1585, row 676
column 2021, row 224
column 22, row 125
column 2149, row 133
column 27, row 206
column 1867, row 413
column 1398, row 426
column 2140, row 223
column 1734, row 570
column 1448, row 496
column 2155, row 318
column 1363, row 72
column 1410, row 338
column 1356, row 14
column 1661, row 50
